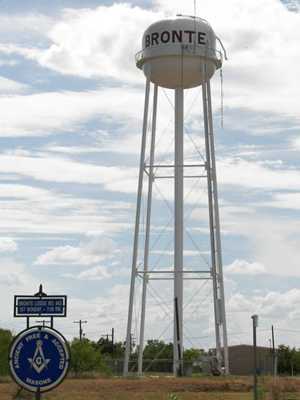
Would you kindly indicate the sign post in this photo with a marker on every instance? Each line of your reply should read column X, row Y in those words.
column 39, row 356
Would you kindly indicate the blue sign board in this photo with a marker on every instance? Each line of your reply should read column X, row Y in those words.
column 37, row 306
column 39, row 359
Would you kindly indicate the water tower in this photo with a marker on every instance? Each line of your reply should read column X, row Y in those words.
column 179, row 54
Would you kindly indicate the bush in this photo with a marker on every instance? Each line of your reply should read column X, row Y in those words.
column 86, row 358
column 5, row 341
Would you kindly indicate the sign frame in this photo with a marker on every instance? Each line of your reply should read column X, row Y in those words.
column 37, row 298
column 38, row 389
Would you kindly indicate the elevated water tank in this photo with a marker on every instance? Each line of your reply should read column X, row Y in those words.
column 179, row 52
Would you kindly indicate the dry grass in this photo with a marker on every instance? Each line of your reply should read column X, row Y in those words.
column 161, row 389
column 283, row 389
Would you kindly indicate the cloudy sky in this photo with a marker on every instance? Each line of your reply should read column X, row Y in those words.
column 71, row 102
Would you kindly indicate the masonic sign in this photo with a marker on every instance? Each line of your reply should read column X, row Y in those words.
column 39, row 359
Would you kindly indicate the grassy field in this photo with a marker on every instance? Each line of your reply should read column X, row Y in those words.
column 161, row 389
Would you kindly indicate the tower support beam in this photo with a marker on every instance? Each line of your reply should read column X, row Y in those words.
column 211, row 211
column 178, row 232
column 218, row 232
column 137, row 228
column 147, row 233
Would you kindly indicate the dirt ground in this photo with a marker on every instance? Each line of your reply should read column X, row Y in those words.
column 156, row 389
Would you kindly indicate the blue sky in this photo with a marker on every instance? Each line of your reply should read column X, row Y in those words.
column 71, row 104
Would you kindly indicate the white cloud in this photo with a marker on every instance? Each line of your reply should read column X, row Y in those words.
column 12, row 273
column 254, row 174
column 28, row 209
column 90, row 251
column 47, row 113
column 98, row 273
column 7, row 245
column 242, row 267
column 276, row 245
column 285, row 200
column 71, row 150
column 119, row 108
column 272, row 239
column 114, row 178
column 9, row 63
column 49, row 169
column 101, row 42
column 8, row 86
column 11, row 25
column 295, row 143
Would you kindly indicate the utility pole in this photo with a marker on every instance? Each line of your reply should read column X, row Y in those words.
column 80, row 322
column 255, row 324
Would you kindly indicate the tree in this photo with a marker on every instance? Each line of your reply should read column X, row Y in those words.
column 5, row 341
column 193, row 354
column 158, row 349
column 158, row 356
column 119, row 350
column 295, row 362
column 288, row 360
column 86, row 358
column 284, row 359
column 107, row 348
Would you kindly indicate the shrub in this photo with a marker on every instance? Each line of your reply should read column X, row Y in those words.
column 86, row 359
column 5, row 340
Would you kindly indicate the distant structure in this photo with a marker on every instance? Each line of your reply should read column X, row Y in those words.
column 179, row 54
column 241, row 360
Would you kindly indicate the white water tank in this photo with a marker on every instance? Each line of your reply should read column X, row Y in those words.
column 179, row 52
